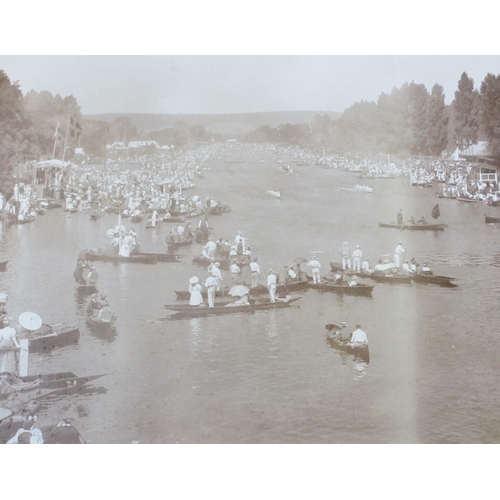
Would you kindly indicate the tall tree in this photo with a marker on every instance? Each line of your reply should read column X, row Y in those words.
column 466, row 108
column 15, row 144
column 490, row 99
column 123, row 130
column 437, row 122
column 417, row 117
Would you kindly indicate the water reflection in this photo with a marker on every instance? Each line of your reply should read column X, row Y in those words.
column 106, row 333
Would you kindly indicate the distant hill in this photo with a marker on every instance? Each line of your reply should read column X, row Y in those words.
column 239, row 123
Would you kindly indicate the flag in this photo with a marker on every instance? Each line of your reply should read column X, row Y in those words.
column 435, row 212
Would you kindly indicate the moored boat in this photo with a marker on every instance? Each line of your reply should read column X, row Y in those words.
column 49, row 337
column 101, row 323
column 414, row 227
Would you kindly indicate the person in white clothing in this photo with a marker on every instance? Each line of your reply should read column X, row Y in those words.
column 406, row 267
column 235, row 272
column 353, row 281
column 255, row 268
column 356, row 259
column 271, row 286
column 346, row 259
column 365, row 267
column 211, row 286
column 359, row 336
column 398, row 253
column 315, row 266
column 215, row 271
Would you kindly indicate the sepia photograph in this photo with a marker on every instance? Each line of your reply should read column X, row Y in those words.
column 249, row 249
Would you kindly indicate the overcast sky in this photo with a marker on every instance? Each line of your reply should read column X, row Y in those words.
column 235, row 84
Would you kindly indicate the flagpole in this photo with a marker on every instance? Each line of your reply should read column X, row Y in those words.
column 55, row 140
column 65, row 140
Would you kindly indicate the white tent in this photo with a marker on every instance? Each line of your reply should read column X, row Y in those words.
column 479, row 149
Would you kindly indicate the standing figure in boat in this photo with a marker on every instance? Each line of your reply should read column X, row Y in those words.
column 196, row 298
column 346, row 258
column 399, row 217
column 315, row 269
column 9, row 345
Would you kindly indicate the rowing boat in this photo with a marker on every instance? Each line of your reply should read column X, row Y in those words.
column 258, row 290
column 469, row 200
column 100, row 322
column 398, row 278
column 48, row 337
column 357, row 349
column 187, row 310
column 433, row 279
column 138, row 258
column 491, row 220
column 414, row 227
column 360, row 289
column 85, row 289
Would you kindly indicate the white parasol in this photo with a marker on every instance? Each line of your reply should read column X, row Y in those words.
column 238, row 291
column 30, row 321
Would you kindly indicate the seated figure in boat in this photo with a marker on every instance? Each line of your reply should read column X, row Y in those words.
column 426, row 269
column 292, row 275
column 422, row 220
column 406, row 267
column 242, row 301
column 93, row 306
column 413, row 265
column 365, row 267
column 412, row 220
column 353, row 281
column 93, row 276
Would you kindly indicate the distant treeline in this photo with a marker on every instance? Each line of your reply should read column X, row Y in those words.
column 408, row 121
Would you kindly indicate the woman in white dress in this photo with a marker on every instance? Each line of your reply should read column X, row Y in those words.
column 8, row 341
column 195, row 291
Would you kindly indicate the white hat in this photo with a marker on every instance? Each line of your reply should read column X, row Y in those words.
column 357, row 246
column 194, row 280
column 3, row 298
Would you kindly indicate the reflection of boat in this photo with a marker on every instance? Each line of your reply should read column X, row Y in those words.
column 187, row 310
column 3, row 265
column 359, row 289
column 491, row 220
column 175, row 219
column 49, row 337
column 414, row 227
column 137, row 218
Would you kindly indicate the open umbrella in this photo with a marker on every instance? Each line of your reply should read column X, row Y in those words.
column 30, row 321
column 238, row 291
column 300, row 260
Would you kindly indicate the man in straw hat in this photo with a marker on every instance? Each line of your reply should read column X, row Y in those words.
column 398, row 252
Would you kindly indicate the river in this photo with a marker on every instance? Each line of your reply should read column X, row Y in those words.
column 272, row 376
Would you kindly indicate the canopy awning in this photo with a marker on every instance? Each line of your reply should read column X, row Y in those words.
column 53, row 164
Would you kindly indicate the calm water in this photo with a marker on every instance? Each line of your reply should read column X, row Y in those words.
column 272, row 376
